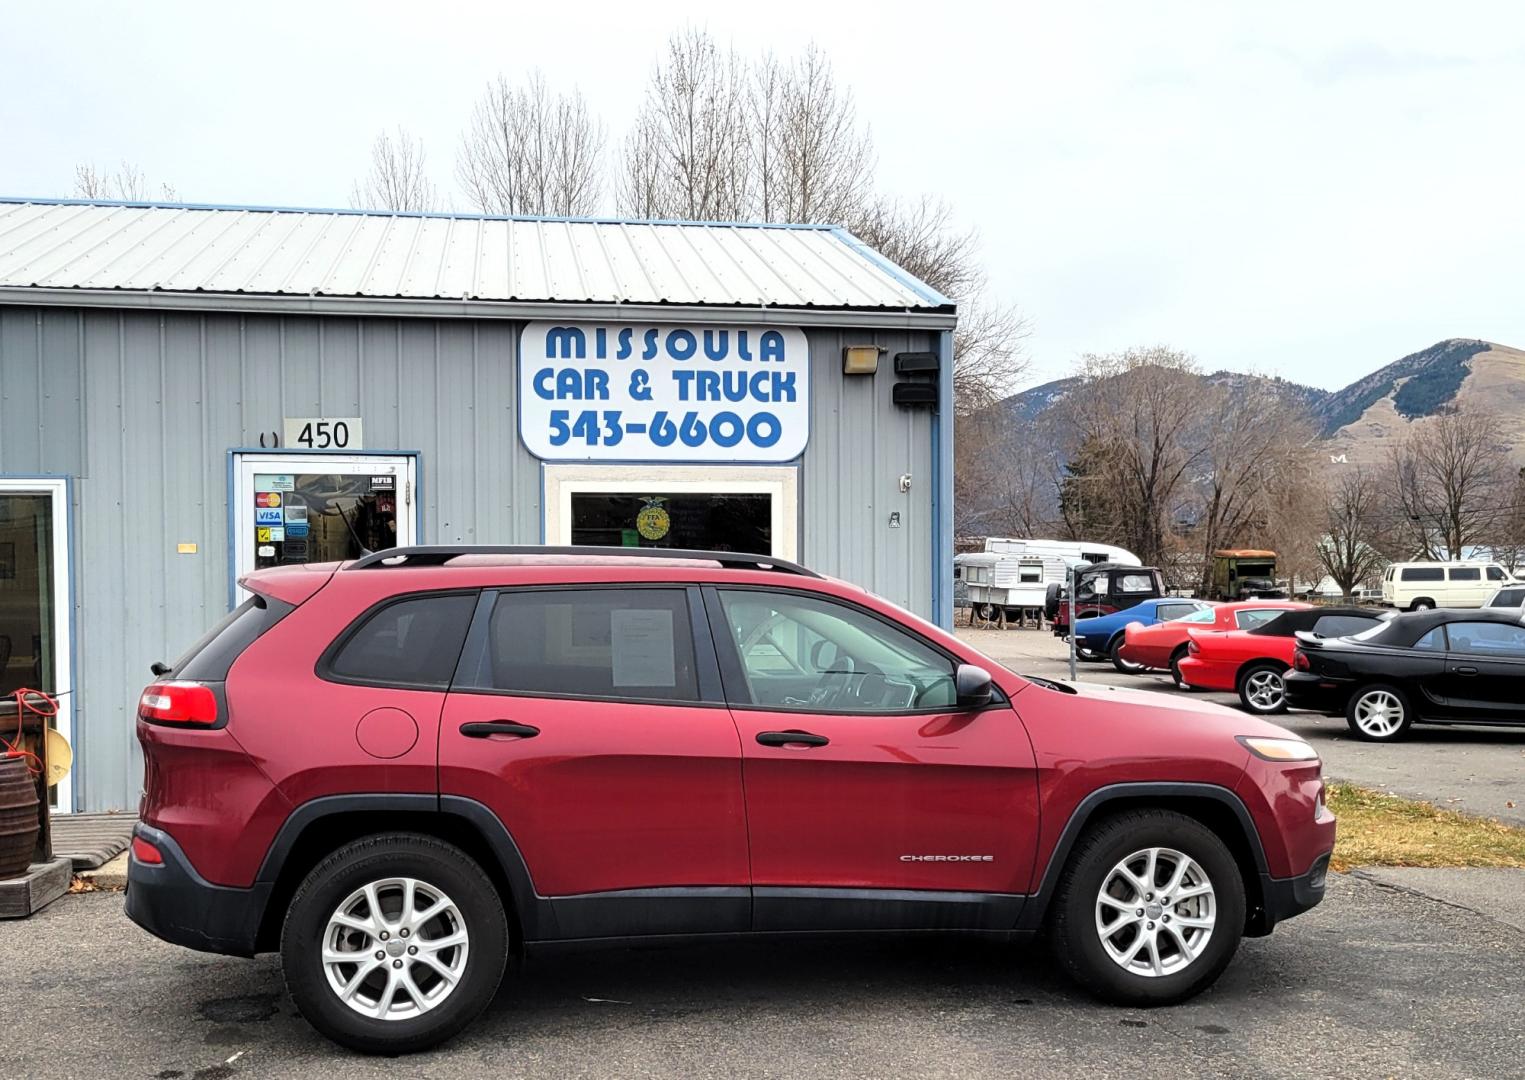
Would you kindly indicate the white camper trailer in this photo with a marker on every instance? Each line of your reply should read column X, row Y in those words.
column 1013, row 575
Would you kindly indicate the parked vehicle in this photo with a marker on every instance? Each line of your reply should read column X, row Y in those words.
column 1252, row 662
column 1246, row 574
column 1163, row 646
column 1012, row 576
column 397, row 771
column 1104, row 635
column 1420, row 586
column 1511, row 596
column 1443, row 666
column 1101, row 590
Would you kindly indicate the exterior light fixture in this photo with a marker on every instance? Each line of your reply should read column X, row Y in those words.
column 860, row 359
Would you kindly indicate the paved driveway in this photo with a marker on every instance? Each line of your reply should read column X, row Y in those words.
column 1374, row 982
column 1479, row 770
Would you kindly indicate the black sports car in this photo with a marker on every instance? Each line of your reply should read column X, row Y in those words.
column 1445, row 666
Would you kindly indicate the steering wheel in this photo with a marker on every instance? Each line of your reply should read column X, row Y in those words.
column 834, row 682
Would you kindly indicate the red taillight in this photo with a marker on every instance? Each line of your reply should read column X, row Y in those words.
column 1300, row 661
column 178, row 703
column 145, row 852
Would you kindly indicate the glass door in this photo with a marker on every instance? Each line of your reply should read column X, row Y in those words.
column 311, row 508
column 35, row 632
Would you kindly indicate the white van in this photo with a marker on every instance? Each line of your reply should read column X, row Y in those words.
column 1417, row 586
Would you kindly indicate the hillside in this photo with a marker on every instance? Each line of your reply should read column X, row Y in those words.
column 1363, row 419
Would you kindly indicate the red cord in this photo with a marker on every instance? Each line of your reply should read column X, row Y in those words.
column 27, row 702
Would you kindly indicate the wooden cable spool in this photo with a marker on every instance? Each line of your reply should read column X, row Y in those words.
column 19, row 824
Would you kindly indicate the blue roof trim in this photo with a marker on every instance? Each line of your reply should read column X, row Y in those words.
column 153, row 204
column 915, row 284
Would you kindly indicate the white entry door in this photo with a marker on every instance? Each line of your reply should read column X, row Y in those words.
column 35, row 617
column 309, row 508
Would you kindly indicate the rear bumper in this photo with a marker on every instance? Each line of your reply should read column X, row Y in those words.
column 1306, row 690
column 173, row 902
column 1207, row 676
column 1284, row 898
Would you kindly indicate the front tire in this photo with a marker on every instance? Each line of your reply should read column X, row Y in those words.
column 1422, row 604
column 1379, row 713
column 394, row 943
column 1149, row 910
column 1262, row 689
column 1127, row 667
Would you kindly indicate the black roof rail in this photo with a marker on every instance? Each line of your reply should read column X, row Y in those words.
column 439, row 554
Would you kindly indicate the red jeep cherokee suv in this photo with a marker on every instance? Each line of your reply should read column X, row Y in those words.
column 399, row 769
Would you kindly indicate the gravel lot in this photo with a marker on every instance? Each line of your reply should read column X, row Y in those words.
column 1374, row 982
column 1477, row 769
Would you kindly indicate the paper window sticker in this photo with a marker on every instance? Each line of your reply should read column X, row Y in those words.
column 641, row 640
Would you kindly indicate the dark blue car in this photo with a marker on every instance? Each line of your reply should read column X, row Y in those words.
column 1096, row 638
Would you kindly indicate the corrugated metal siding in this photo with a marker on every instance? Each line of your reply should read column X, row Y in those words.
column 861, row 443
column 333, row 254
column 142, row 408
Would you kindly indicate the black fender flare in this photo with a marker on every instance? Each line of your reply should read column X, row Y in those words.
column 1035, row 910
column 537, row 919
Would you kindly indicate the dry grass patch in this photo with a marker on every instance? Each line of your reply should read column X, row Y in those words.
column 1384, row 830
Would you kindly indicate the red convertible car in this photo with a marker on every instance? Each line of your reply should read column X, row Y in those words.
column 1164, row 645
column 1252, row 662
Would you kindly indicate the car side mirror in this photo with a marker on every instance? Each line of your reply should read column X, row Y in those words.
column 973, row 687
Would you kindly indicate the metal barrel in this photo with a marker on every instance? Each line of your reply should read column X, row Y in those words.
column 18, row 817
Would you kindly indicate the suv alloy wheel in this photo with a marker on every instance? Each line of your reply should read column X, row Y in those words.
column 1150, row 908
column 394, row 943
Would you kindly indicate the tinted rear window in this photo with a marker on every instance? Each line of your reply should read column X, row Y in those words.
column 1423, row 573
column 1508, row 598
column 1341, row 625
column 210, row 658
column 412, row 642
column 580, row 643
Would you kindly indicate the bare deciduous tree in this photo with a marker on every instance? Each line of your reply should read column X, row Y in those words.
column 1134, row 410
column 1348, row 551
column 1254, row 444
column 127, row 184
column 531, row 151
column 920, row 237
column 814, row 162
column 689, row 154
column 396, row 179
column 1444, row 477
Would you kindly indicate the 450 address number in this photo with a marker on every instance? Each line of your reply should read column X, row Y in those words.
column 609, row 427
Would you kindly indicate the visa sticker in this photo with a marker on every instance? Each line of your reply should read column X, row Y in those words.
column 267, row 515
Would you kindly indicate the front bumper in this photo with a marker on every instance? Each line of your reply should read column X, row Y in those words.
column 1305, row 690
column 173, row 902
column 1284, row 898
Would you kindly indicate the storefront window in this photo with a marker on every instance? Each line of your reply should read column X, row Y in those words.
column 27, row 619
column 713, row 522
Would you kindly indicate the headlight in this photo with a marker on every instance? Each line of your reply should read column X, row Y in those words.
column 1278, row 749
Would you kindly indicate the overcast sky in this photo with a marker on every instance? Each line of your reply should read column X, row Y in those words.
column 1304, row 190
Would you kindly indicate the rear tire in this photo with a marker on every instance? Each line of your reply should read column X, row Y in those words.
column 1262, row 690
column 1379, row 712
column 1424, row 603
column 1175, row 949
column 1127, row 667
column 415, row 980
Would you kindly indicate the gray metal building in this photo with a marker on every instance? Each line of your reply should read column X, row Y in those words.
column 190, row 392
